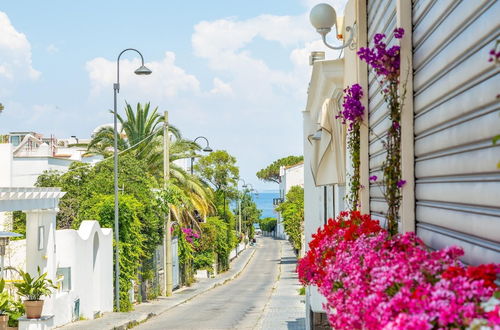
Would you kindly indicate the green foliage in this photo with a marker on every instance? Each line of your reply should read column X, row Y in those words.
column 15, row 311
column 219, row 168
column 33, row 288
column 292, row 211
column 272, row 172
column 19, row 224
column 5, row 300
column 83, row 184
column 268, row 224
column 222, row 239
column 186, row 257
column 101, row 208
column 205, row 247
column 354, row 147
column 250, row 213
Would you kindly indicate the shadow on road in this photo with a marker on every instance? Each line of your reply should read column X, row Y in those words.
column 298, row 324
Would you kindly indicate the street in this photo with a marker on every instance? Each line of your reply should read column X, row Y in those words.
column 242, row 303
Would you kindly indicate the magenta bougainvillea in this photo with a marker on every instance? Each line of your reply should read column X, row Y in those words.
column 374, row 281
column 352, row 115
column 352, row 110
column 190, row 234
column 386, row 63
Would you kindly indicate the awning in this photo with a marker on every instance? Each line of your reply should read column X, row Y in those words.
column 328, row 153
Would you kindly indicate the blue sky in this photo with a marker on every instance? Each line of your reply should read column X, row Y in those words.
column 233, row 71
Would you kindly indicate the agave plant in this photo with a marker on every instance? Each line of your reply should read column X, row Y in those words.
column 33, row 288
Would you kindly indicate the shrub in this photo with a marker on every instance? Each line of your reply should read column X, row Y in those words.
column 374, row 281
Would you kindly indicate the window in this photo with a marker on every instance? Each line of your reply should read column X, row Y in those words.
column 41, row 238
column 63, row 276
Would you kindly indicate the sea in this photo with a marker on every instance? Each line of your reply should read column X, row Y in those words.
column 264, row 201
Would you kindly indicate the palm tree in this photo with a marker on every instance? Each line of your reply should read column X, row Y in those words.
column 142, row 134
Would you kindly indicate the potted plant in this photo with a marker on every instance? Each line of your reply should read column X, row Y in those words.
column 4, row 306
column 33, row 288
column 15, row 311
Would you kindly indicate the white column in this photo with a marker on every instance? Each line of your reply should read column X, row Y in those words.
column 40, row 242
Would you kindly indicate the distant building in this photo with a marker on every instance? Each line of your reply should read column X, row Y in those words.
column 29, row 154
column 289, row 176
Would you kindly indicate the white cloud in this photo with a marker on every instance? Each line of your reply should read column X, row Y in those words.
column 15, row 53
column 167, row 80
column 221, row 87
column 52, row 49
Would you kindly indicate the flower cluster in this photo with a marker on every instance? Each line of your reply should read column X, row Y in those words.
column 352, row 114
column 385, row 61
column 190, row 235
column 372, row 281
column 353, row 110
column 494, row 56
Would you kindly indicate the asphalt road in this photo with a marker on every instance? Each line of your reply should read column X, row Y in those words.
column 238, row 304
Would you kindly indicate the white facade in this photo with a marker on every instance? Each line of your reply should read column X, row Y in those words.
column 449, row 117
column 289, row 176
column 27, row 155
column 79, row 261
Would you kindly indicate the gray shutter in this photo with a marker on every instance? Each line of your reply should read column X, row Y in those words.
column 456, row 115
column 381, row 19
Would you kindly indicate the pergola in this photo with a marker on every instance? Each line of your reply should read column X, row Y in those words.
column 41, row 207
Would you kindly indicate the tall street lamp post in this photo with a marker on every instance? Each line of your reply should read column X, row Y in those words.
column 239, row 211
column 142, row 70
column 206, row 149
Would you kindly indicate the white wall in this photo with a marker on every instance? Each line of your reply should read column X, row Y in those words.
column 5, row 164
column 25, row 170
column 294, row 176
column 89, row 254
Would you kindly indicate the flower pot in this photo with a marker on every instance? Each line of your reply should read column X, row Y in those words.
column 33, row 308
column 3, row 322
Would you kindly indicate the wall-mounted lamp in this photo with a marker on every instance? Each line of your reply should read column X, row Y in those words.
column 323, row 17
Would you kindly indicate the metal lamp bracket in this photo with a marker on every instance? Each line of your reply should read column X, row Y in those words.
column 351, row 43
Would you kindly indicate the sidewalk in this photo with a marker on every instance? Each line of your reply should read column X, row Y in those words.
column 286, row 308
column 146, row 310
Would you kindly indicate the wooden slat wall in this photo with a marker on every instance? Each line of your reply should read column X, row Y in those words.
column 381, row 19
column 456, row 115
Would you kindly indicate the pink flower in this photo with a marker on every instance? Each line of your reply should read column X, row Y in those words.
column 371, row 281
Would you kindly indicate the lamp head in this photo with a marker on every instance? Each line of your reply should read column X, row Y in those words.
column 142, row 70
column 207, row 149
column 323, row 17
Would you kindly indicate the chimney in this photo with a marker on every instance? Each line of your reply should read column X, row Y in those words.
column 316, row 56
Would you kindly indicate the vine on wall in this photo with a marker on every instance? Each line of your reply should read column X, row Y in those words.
column 352, row 114
column 386, row 63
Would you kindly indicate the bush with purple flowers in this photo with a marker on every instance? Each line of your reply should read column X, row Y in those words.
column 352, row 115
column 386, row 62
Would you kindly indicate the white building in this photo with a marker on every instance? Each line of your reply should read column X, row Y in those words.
column 31, row 154
column 81, row 261
column 450, row 116
column 289, row 176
